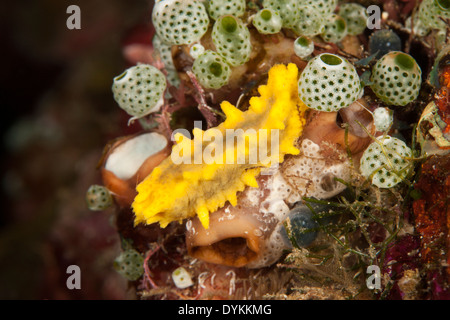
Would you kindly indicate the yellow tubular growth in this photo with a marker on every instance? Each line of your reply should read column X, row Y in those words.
column 173, row 192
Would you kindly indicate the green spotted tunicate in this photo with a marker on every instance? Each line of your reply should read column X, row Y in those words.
column 310, row 23
column 211, row 70
column 329, row 83
column 138, row 90
column 288, row 10
column 218, row 8
column 335, row 29
column 232, row 40
column 356, row 17
column 303, row 47
column 386, row 162
column 267, row 21
column 130, row 264
column 98, row 198
column 180, row 21
column 396, row 78
column 431, row 13
column 324, row 7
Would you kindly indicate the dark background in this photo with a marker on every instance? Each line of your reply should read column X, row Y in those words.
column 57, row 115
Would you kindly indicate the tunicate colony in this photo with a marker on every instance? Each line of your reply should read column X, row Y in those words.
column 328, row 83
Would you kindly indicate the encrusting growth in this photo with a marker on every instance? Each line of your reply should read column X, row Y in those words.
column 173, row 192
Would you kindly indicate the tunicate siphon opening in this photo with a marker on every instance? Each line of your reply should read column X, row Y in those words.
column 340, row 24
column 229, row 251
column 303, row 41
column 444, row 4
column 266, row 15
column 330, row 59
column 215, row 68
column 404, row 61
column 229, row 24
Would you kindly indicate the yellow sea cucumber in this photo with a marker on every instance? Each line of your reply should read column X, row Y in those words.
column 175, row 191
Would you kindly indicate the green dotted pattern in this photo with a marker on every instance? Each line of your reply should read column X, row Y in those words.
column 329, row 83
column 267, row 21
column 211, row 70
column 196, row 50
column 396, row 78
column 232, row 40
column 139, row 89
column 430, row 12
column 180, row 21
column 98, row 198
column 218, row 8
column 386, row 161
column 335, row 29
column 288, row 10
column 165, row 52
column 356, row 17
column 324, row 7
column 303, row 47
column 310, row 23
column 130, row 264
column 382, row 118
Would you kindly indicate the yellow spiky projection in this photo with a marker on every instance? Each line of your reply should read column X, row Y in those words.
column 176, row 191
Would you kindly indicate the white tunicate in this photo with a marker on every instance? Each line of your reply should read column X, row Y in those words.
column 98, row 198
column 181, row 278
column 310, row 23
column 232, row 40
column 335, row 28
column 196, row 50
column 165, row 52
column 267, row 21
column 329, row 83
column 180, row 21
column 386, row 161
column 356, row 17
column 324, row 7
column 431, row 13
column 288, row 10
column 396, row 78
column 130, row 264
column 303, row 47
column 218, row 8
column 382, row 118
column 139, row 90
column 211, row 70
